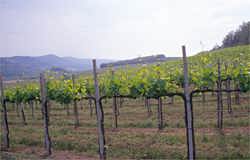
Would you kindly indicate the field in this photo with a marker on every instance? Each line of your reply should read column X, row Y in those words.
column 137, row 136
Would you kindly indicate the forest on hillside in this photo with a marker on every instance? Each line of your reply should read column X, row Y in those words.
column 240, row 36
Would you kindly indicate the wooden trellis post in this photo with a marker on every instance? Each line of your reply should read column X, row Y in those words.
column 31, row 104
column 90, row 108
column 115, row 113
column 148, row 106
column 236, row 87
column 90, row 102
column 5, row 126
column 219, row 99
column 77, row 123
column 159, row 108
column 23, row 114
column 159, row 114
column 44, row 103
column 228, row 87
column 229, row 100
column 188, row 110
column 100, row 116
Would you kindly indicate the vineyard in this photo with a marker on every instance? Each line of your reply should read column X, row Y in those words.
column 136, row 112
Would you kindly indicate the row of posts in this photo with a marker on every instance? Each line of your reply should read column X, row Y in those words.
column 100, row 115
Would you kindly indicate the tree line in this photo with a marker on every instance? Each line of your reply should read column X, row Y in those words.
column 240, row 36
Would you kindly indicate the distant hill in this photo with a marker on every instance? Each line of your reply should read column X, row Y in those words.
column 139, row 60
column 26, row 66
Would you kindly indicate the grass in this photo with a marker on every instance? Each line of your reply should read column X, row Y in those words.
column 137, row 136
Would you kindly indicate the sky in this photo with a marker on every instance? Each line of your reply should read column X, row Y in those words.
column 116, row 29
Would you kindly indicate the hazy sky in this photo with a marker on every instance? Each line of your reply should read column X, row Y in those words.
column 116, row 29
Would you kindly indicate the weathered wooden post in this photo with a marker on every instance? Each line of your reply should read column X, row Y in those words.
column 159, row 108
column 23, row 114
column 159, row 114
column 49, row 104
column 43, row 89
column 228, row 87
column 219, row 99
column 237, row 93
column 148, row 106
column 17, row 109
column 77, row 123
column 115, row 114
column 90, row 107
column 229, row 100
column 31, row 104
column 114, row 106
column 5, row 126
column 188, row 110
column 89, row 101
column 100, row 116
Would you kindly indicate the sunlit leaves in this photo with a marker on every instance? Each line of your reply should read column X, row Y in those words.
column 147, row 80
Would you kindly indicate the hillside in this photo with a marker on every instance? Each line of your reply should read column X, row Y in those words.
column 25, row 66
column 229, row 53
column 235, row 55
column 139, row 60
column 226, row 55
